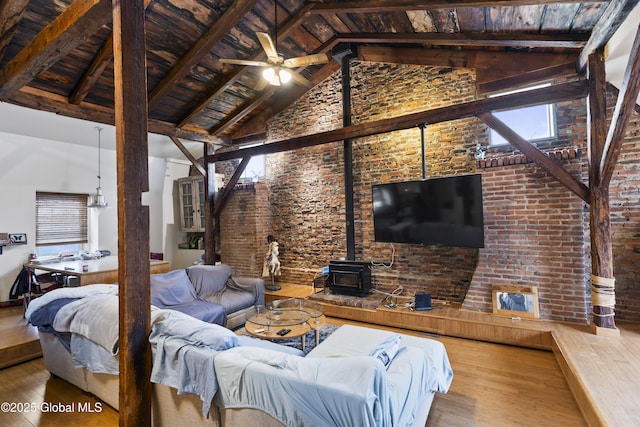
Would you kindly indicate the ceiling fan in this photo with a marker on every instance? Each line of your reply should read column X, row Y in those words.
column 276, row 68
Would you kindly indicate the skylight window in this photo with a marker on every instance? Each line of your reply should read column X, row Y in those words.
column 532, row 123
column 254, row 170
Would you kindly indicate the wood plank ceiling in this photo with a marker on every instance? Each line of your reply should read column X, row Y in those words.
column 58, row 55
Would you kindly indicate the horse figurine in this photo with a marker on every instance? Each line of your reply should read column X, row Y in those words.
column 271, row 265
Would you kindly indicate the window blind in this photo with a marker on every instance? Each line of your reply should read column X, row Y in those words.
column 61, row 218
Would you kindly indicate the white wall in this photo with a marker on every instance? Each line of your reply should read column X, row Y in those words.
column 31, row 164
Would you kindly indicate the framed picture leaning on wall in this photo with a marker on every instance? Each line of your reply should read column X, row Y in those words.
column 515, row 301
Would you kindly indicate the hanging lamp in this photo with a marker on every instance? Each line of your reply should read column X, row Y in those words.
column 97, row 200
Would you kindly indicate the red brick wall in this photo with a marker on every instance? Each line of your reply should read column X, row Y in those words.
column 244, row 226
column 534, row 235
column 536, row 230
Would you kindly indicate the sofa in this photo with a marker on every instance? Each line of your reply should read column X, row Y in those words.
column 204, row 374
column 208, row 292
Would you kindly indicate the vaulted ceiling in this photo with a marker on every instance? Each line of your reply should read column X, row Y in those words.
column 57, row 55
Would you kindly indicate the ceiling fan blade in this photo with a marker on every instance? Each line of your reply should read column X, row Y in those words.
column 302, row 81
column 302, row 61
column 244, row 62
column 269, row 47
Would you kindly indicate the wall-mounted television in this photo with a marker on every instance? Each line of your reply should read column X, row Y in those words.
column 438, row 211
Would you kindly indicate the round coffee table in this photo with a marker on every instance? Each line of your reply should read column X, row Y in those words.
column 315, row 310
column 267, row 322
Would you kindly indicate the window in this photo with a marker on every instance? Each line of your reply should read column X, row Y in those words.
column 61, row 220
column 254, row 170
column 532, row 123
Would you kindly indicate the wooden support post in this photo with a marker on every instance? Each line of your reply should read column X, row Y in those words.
column 602, row 289
column 133, row 218
column 211, row 220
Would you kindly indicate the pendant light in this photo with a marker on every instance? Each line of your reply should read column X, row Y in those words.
column 97, row 200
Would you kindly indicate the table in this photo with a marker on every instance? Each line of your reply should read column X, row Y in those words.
column 298, row 315
column 265, row 324
column 102, row 270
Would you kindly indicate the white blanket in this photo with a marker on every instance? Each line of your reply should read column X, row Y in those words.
column 94, row 318
column 78, row 292
column 349, row 341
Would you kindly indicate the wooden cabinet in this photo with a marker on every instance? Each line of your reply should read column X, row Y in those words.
column 192, row 198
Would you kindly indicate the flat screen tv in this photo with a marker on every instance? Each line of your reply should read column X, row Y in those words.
column 439, row 211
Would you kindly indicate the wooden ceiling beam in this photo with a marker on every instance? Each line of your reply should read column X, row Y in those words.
column 625, row 105
column 472, row 39
column 93, row 73
column 490, row 60
column 250, row 138
column 488, row 83
column 201, row 48
column 201, row 170
column 221, row 201
column 58, row 104
column 394, row 5
column 563, row 92
column 10, row 15
column 78, row 21
column 241, row 112
column 611, row 19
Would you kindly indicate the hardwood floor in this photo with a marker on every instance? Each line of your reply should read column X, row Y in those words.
column 603, row 372
column 19, row 339
column 496, row 385
column 47, row 400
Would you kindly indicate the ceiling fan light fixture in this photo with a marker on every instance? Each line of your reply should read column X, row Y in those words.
column 285, row 75
column 275, row 70
column 269, row 74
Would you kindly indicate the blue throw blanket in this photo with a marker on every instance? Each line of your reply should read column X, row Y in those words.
column 300, row 391
column 44, row 317
column 184, row 349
